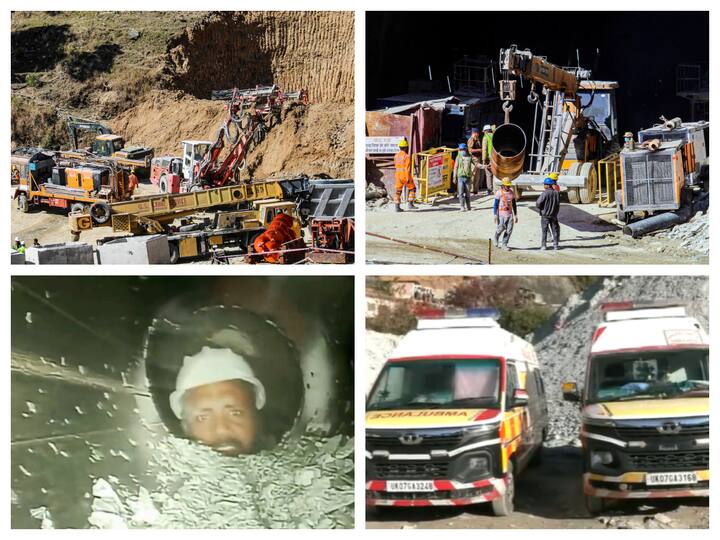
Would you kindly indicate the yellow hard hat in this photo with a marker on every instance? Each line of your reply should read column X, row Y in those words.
column 506, row 182
column 403, row 143
column 553, row 176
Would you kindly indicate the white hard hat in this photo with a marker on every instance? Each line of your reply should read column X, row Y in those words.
column 17, row 238
column 212, row 365
column 487, row 127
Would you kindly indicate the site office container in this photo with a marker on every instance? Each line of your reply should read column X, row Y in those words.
column 645, row 406
column 468, row 415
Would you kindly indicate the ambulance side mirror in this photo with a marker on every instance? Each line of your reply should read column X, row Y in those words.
column 520, row 397
column 570, row 392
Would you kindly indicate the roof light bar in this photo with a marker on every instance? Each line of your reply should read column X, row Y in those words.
column 627, row 305
column 457, row 313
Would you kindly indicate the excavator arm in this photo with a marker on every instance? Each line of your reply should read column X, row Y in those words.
column 76, row 125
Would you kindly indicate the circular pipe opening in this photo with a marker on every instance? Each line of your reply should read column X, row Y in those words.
column 177, row 333
column 509, row 140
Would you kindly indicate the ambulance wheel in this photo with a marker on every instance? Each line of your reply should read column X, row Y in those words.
column 505, row 505
column 100, row 212
column 22, row 203
column 589, row 192
column 594, row 505
column 163, row 184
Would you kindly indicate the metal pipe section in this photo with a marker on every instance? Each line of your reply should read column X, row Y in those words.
column 657, row 222
column 508, row 152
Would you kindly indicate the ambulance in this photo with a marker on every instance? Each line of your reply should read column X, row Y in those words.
column 645, row 406
column 456, row 413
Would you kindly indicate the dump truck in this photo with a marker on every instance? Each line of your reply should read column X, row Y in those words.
column 71, row 185
column 457, row 412
column 106, row 144
column 645, row 428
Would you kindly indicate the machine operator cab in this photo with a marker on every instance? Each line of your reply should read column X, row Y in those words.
column 645, row 406
column 107, row 144
column 457, row 411
column 193, row 153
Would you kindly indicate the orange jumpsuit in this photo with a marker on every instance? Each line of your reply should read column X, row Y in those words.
column 132, row 183
column 403, row 176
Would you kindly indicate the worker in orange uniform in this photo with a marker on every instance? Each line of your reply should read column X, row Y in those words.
column 132, row 181
column 403, row 176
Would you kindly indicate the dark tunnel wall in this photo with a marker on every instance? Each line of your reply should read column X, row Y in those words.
column 638, row 49
column 76, row 406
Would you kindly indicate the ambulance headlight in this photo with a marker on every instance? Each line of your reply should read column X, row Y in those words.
column 471, row 467
column 600, row 457
column 483, row 430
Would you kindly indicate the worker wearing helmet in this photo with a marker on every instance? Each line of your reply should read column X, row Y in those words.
column 554, row 177
column 217, row 398
column 403, row 176
column 15, row 175
column 487, row 156
column 629, row 141
column 474, row 145
column 549, row 205
column 463, row 171
column 17, row 243
column 505, row 212
column 132, row 181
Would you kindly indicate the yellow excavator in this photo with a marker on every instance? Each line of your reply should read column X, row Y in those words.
column 575, row 125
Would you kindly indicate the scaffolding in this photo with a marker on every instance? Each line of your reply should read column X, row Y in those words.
column 692, row 82
column 473, row 76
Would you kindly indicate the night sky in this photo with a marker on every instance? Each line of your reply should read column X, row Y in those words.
column 640, row 50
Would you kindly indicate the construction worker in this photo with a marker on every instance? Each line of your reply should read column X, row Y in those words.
column 505, row 212
column 21, row 248
column 218, row 398
column 17, row 243
column 549, row 205
column 36, row 243
column 132, row 181
column 463, row 171
column 15, row 175
column 474, row 145
column 487, row 156
column 403, row 176
column 554, row 177
column 629, row 140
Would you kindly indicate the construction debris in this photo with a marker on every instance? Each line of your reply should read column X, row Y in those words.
column 303, row 483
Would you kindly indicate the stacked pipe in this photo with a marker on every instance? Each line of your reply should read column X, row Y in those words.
column 508, row 151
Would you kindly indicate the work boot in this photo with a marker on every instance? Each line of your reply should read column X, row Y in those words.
column 555, row 247
column 543, row 248
column 505, row 247
column 397, row 208
column 411, row 206
column 495, row 241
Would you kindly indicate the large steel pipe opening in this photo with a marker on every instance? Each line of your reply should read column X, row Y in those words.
column 173, row 393
column 508, row 153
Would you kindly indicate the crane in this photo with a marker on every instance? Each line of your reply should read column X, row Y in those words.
column 571, row 130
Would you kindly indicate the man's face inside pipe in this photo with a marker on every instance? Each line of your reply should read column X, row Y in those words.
column 222, row 415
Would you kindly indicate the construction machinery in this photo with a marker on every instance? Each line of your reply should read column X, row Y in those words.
column 105, row 144
column 241, row 212
column 68, row 184
column 664, row 174
column 574, row 126
column 251, row 113
column 331, row 220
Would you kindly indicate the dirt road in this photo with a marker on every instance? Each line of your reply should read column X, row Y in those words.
column 549, row 496
column 587, row 236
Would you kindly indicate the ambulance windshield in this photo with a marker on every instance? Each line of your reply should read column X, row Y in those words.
column 649, row 375
column 441, row 383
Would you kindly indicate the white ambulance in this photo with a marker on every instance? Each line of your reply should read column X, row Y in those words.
column 645, row 406
column 457, row 412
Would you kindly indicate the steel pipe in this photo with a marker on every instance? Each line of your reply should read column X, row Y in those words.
column 657, row 222
column 508, row 152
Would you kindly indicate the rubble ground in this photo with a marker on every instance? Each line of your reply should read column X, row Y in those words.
column 589, row 234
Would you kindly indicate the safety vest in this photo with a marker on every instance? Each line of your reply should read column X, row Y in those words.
column 489, row 138
column 505, row 205
column 464, row 167
column 402, row 166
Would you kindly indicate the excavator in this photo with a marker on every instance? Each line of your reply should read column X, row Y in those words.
column 106, row 144
column 574, row 126
column 251, row 113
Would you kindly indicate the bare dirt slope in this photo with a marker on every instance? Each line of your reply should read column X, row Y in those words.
column 150, row 76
